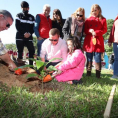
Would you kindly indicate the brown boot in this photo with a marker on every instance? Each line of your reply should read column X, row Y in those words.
column 20, row 61
column 98, row 69
column 98, row 74
column 88, row 67
column 88, row 73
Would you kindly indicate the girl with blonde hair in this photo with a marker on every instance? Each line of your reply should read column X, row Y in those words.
column 100, row 16
column 95, row 27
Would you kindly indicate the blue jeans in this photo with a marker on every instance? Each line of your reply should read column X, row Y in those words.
column 115, row 49
column 39, row 44
column 97, row 56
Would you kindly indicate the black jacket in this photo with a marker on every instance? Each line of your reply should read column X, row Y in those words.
column 24, row 23
column 59, row 26
column 111, row 59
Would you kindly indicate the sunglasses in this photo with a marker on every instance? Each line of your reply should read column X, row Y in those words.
column 53, row 40
column 55, row 14
column 79, row 15
column 7, row 25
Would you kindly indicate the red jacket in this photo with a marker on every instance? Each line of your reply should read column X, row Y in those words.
column 111, row 37
column 100, row 28
column 45, row 26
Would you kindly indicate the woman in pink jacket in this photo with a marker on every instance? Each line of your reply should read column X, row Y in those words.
column 95, row 27
column 72, row 69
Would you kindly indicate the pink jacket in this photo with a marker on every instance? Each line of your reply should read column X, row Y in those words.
column 72, row 68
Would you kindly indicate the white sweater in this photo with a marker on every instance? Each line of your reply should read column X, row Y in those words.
column 116, row 32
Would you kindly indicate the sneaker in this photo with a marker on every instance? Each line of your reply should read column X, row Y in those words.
column 114, row 77
column 77, row 82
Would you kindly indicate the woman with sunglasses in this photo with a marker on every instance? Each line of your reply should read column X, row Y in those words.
column 72, row 68
column 74, row 25
column 95, row 27
column 58, row 21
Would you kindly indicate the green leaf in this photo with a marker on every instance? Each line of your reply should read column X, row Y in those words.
column 26, row 66
column 15, row 68
column 51, row 68
column 39, row 64
column 39, row 58
column 23, row 66
column 32, row 59
column 54, row 60
column 31, row 75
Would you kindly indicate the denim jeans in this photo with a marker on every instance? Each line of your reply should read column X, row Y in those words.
column 39, row 44
column 115, row 49
column 97, row 56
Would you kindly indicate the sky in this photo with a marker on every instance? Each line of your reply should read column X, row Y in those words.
column 67, row 7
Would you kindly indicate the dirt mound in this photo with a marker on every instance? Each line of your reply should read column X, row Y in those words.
column 10, row 79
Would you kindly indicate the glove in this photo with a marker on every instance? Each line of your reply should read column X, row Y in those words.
column 58, row 72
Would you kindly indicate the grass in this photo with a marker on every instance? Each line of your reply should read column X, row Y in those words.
column 82, row 101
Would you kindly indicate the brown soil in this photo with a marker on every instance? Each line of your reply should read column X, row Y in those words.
column 34, row 85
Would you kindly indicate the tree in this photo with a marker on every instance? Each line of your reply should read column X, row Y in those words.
column 35, row 43
column 109, row 27
column 11, row 47
column 108, row 50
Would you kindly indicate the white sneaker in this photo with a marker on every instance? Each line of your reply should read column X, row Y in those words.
column 114, row 77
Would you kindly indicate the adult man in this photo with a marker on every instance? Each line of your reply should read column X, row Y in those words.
column 114, row 39
column 6, row 21
column 24, row 26
column 42, row 26
column 53, row 47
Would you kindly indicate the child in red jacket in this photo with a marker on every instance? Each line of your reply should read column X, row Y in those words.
column 95, row 27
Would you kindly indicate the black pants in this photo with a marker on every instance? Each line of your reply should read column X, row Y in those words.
column 20, row 46
column 51, row 63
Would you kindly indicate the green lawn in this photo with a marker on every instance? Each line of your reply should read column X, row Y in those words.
column 82, row 101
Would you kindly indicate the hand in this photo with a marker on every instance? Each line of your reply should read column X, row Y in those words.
column 109, row 44
column 56, row 66
column 27, row 35
column 91, row 30
column 59, row 72
column 39, row 38
column 45, row 68
column 93, row 33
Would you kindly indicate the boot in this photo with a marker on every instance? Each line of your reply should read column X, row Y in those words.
column 88, row 67
column 88, row 73
column 20, row 61
column 98, row 74
column 98, row 69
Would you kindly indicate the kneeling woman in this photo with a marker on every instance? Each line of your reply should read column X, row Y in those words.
column 72, row 69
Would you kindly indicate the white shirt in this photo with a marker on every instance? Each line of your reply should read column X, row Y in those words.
column 54, row 51
column 116, row 32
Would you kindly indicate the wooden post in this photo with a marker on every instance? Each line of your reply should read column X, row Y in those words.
column 109, row 103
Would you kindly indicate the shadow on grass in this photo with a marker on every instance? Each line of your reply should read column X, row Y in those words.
column 104, row 80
